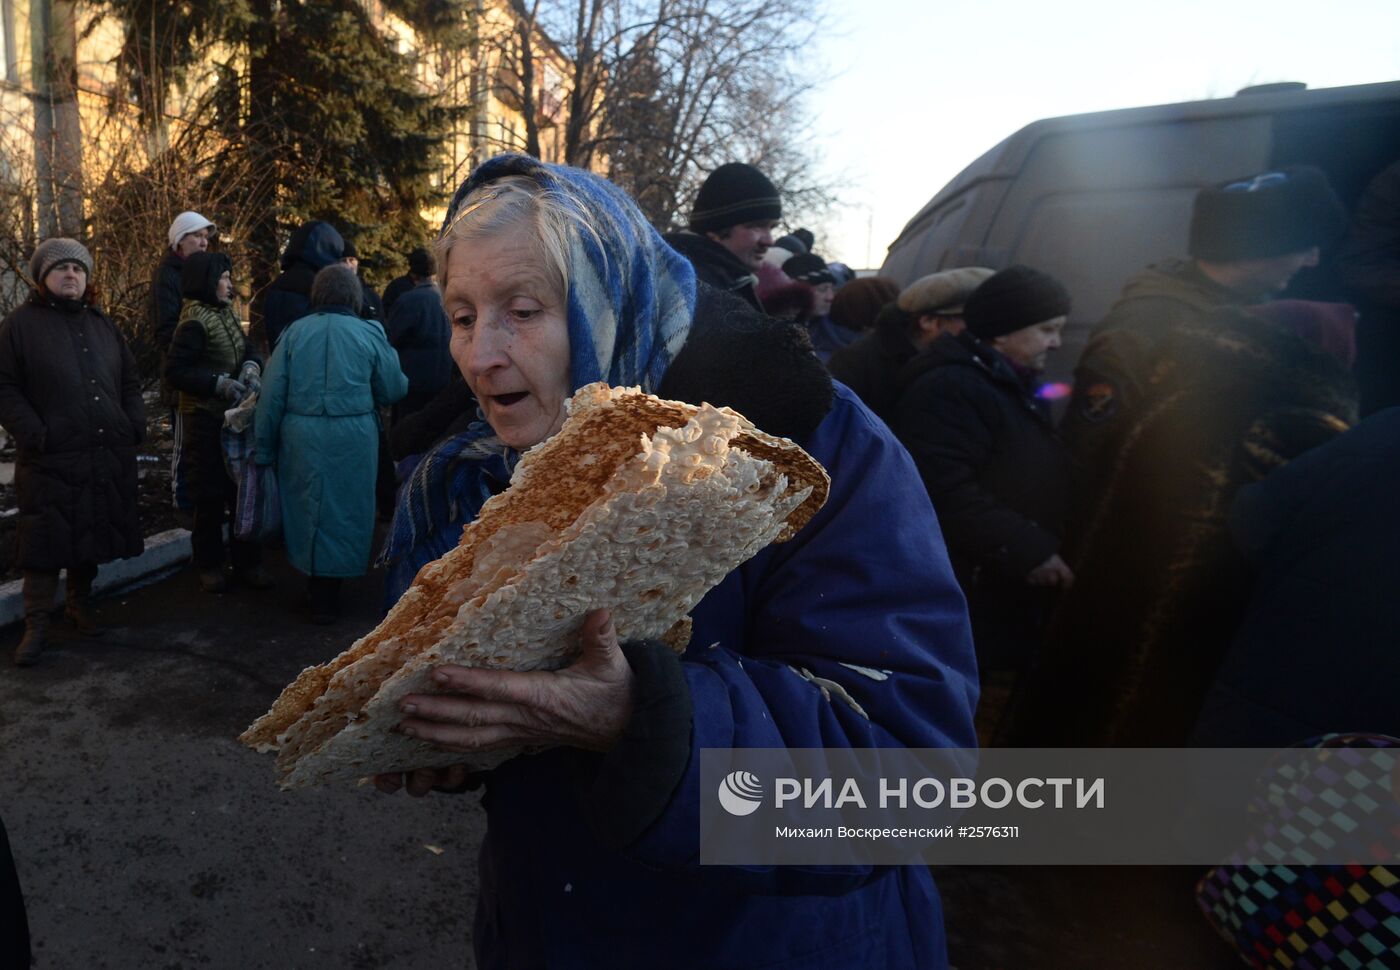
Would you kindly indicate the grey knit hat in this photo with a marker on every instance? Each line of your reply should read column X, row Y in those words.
column 51, row 252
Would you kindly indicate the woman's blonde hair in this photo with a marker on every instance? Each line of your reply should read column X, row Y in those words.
column 556, row 219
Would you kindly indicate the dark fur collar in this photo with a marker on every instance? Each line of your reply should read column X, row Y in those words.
column 761, row 367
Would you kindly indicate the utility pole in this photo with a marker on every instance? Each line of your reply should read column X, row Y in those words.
column 58, row 137
column 869, row 233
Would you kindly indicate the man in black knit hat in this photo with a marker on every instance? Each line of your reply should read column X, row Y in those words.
column 421, row 266
column 1248, row 238
column 731, row 227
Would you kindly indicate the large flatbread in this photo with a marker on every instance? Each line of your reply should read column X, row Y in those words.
column 637, row 505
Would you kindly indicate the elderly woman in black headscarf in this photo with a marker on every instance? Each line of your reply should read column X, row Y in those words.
column 70, row 397
column 852, row 634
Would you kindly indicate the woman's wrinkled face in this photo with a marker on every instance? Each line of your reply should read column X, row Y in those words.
column 192, row 242
column 510, row 335
column 224, row 289
column 67, row 280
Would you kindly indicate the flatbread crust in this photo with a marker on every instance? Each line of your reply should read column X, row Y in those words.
column 639, row 505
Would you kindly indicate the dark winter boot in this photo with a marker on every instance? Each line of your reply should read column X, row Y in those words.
column 39, row 589
column 79, row 605
column 36, row 631
column 212, row 580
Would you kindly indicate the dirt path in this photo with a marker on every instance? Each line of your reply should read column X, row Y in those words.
column 146, row 836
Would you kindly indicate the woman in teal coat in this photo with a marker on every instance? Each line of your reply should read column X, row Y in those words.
column 317, row 421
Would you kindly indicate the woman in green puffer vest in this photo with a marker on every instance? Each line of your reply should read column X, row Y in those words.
column 213, row 366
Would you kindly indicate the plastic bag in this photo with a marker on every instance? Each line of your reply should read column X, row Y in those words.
column 236, row 437
column 258, row 514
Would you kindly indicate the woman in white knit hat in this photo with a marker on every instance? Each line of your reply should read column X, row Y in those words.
column 189, row 233
column 70, row 397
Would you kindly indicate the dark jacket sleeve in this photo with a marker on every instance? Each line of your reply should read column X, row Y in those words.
column 281, row 308
column 182, row 368
column 372, row 309
column 397, row 287
column 16, row 413
column 1109, row 382
column 856, row 636
column 449, row 411
column 165, row 306
column 949, row 424
column 630, row 786
column 1369, row 261
column 402, row 324
column 1265, row 510
column 856, row 366
column 132, row 403
column 250, row 353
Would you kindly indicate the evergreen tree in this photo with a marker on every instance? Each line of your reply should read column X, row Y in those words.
column 338, row 113
column 327, row 110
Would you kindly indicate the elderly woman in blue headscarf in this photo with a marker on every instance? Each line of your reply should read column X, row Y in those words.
column 552, row 280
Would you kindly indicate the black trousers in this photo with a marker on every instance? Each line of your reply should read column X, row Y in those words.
column 324, row 594
column 213, row 494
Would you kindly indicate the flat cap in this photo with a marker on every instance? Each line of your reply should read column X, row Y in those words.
column 944, row 292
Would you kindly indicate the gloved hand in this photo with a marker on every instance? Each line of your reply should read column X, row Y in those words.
column 251, row 373
column 229, row 389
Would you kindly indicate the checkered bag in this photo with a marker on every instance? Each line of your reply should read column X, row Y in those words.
column 1325, row 916
column 258, row 512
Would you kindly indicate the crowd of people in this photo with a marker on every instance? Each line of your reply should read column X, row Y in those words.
column 1105, row 578
column 1115, row 580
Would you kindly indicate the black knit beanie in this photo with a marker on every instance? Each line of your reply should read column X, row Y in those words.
column 1016, row 298
column 1271, row 214
column 734, row 194
column 808, row 268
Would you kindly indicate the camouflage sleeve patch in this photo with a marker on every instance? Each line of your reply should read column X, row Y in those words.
column 1099, row 401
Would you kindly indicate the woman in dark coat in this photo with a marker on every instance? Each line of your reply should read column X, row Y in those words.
column 71, row 399
column 990, row 458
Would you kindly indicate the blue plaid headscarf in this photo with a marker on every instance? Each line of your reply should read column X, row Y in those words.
column 631, row 300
